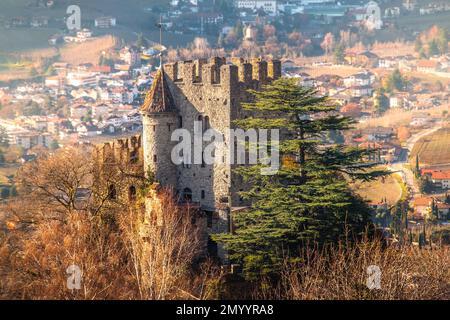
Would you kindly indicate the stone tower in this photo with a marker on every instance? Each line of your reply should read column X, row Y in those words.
column 211, row 92
column 159, row 120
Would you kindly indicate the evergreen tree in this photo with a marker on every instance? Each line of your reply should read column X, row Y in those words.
column 5, row 193
column 339, row 53
column 418, row 45
column 308, row 200
column 433, row 48
column 418, row 173
column 442, row 41
column 381, row 102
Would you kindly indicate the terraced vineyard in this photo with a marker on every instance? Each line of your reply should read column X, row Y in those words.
column 433, row 149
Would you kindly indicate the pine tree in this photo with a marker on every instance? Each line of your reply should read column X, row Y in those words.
column 308, row 200
column 418, row 173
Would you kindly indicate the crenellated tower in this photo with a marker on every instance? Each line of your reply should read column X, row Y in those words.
column 210, row 91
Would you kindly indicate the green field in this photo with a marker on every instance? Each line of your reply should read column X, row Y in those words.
column 433, row 149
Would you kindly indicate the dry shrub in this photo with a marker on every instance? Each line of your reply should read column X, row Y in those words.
column 122, row 252
column 115, row 260
column 164, row 245
column 341, row 273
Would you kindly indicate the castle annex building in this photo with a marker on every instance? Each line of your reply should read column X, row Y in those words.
column 211, row 91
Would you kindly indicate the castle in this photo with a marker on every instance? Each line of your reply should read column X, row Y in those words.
column 210, row 92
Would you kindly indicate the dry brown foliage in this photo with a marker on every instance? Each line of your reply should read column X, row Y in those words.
column 407, row 273
column 122, row 252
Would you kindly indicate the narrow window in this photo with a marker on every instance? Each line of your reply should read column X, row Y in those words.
column 132, row 193
column 112, row 194
column 187, row 195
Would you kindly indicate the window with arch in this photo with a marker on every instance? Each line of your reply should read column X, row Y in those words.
column 187, row 194
column 132, row 193
column 112, row 193
column 134, row 156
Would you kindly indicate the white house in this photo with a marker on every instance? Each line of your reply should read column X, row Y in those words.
column 105, row 22
column 269, row 6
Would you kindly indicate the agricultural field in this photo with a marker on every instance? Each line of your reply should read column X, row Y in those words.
column 433, row 149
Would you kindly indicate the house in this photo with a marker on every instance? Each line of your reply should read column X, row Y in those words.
column 100, row 111
column 363, row 59
column 388, row 63
column 379, row 133
column 441, row 179
column 351, row 110
column 78, row 111
column 419, row 121
column 363, row 78
column 88, row 130
column 400, row 100
column 421, row 205
column 427, row 66
column 30, row 140
column 54, row 82
column 81, row 78
column 114, row 120
column 443, row 210
column 105, row 22
column 361, row 91
column 268, row 6
column 211, row 18
column 37, row 22
column 84, row 34
column 131, row 56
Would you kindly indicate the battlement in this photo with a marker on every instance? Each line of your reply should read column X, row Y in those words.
column 124, row 149
column 216, row 71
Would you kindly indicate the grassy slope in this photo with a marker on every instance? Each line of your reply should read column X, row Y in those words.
column 375, row 191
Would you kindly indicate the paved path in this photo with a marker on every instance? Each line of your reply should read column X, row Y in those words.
column 401, row 166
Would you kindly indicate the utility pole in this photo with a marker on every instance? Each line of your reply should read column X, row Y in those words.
column 160, row 25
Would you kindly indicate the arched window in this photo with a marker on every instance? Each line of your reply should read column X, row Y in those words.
column 112, row 193
column 134, row 156
column 187, row 195
column 132, row 193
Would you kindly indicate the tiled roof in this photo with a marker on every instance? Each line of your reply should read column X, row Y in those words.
column 159, row 98
column 440, row 175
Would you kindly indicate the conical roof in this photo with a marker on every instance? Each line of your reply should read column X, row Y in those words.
column 159, row 98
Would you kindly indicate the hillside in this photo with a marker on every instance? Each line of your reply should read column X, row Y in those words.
column 133, row 16
column 433, row 149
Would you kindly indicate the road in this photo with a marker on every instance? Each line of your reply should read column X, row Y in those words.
column 401, row 166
